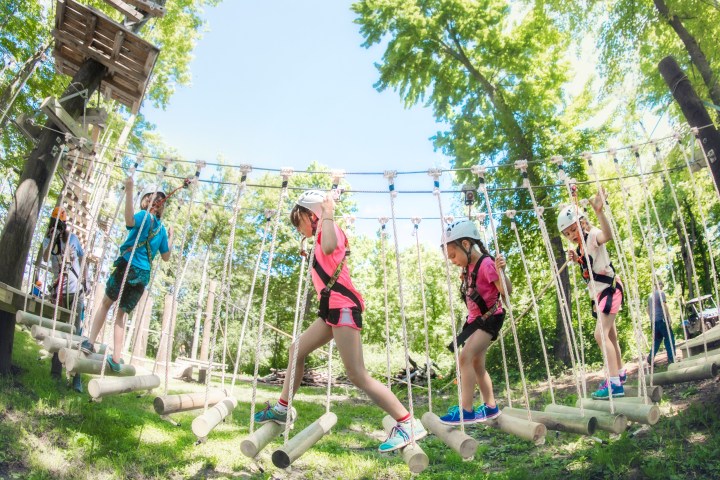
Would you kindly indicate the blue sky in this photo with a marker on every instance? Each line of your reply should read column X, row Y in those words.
column 281, row 84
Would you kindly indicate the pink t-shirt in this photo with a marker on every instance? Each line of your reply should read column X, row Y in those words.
column 485, row 287
column 329, row 263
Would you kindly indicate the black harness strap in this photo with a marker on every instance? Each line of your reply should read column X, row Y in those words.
column 612, row 283
column 332, row 285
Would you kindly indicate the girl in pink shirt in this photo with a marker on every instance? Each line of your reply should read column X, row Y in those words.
column 339, row 318
column 482, row 290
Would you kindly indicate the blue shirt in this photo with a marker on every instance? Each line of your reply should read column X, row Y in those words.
column 158, row 243
column 658, row 298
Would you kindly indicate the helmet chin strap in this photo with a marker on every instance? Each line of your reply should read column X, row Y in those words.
column 158, row 203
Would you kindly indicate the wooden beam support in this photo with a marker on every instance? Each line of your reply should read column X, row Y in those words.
column 57, row 114
column 90, row 30
column 126, row 9
column 152, row 8
column 301, row 443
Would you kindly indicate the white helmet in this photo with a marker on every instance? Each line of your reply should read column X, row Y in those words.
column 153, row 188
column 459, row 230
column 312, row 200
column 568, row 215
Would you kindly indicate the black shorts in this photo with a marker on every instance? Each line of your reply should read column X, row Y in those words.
column 344, row 317
column 491, row 325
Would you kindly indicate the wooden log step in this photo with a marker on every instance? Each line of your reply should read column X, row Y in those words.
column 65, row 353
column 608, row 422
column 654, row 393
column 461, row 442
column 256, row 442
column 28, row 319
column 203, row 424
column 521, row 428
column 182, row 402
column 103, row 387
column 712, row 357
column 688, row 374
column 39, row 333
column 79, row 364
column 54, row 344
column 562, row 422
column 301, row 443
column 635, row 412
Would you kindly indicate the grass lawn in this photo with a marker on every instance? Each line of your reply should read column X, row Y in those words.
column 49, row 431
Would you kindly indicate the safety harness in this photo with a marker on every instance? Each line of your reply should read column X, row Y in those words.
column 332, row 285
column 146, row 243
column 611, row 281
column 486, row 313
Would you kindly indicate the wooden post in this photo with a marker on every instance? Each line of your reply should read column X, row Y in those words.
column 562, row 422
column 182, row 402
column 608, row 422
column 300, row 443
column 203, row 424
column 521, row 428
column 78, row 364
column 413, row 455
column 694, row 112
column 207, row 327
column 636, row 412
column 102, row 387
column 461, row 442
column 688, row 374
column 141, row 330
column 254, row 444
column 654, row 393
column 28, row 319
column 165, row 331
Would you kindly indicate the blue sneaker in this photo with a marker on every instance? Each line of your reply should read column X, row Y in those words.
column 604, row 393
column 271, row 414
column 453, row 416
column 87, row 347
column 114, row 366
column 400, row 435
column 484, row 413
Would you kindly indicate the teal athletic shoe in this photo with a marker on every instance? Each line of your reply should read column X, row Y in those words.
column 271, row 414
column 400, row 435
column 453, row 416
column 604, row 393
column 87, row 347
column 484, row 413
column 114, row 366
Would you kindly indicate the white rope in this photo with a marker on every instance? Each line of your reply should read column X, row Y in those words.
column 576, row 299
column 428, row 364
column 330, row 370
column 383, row 249
column 391, row 184
column 536, row 312
column 435, row 174
column 263, row 307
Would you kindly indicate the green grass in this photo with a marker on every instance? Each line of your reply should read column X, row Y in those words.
column 48, row 431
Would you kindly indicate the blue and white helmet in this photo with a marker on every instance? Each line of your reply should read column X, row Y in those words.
column 568, row 216
column 459, row 230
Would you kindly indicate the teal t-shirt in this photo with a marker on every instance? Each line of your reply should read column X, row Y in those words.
column 152, row 227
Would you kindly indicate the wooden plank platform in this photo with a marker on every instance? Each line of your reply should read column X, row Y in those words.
column 12, row 300
column 83, row 33
column 695, row 345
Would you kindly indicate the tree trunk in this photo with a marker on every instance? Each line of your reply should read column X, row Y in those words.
column 33, row 187
column 561, row 346
column 697, row 56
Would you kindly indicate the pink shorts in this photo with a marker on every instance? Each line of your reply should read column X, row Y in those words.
column 345, row 317
column 616, row 304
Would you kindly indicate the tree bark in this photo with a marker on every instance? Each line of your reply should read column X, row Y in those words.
column 33, row 187
column 697, row 56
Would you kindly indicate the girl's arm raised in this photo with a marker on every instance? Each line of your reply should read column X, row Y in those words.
column 598, row 203
column 500, row 265
column 329, row 239
column 129, row 208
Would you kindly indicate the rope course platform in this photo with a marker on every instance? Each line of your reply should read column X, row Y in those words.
column 12, row 300
column 83, row 33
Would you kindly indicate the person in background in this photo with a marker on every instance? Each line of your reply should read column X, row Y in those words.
column 657, row 310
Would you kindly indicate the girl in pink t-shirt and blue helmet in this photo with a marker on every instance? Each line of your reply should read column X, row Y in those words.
column 482, row 290
column 339, row 318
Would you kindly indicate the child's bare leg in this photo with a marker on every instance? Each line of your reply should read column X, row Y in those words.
column 349, row 345
column 472, row 369
column 99, row 319
column 118, row 334
column 616, row 344
column 316, row 335
column 611, row 356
